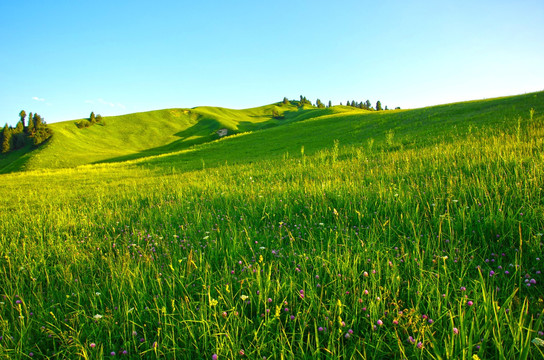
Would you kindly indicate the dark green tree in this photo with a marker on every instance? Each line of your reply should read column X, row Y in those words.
column 22, row 115
column 6, row 139
column 285, row 101
column 379, row 106
column 19, row 128
column 319, row 104
column 330, row 103
column 92, row 118
column 368, row 105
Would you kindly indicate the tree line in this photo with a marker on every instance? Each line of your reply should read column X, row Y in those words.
column 35, row 133
column 93, row 119
column 366, row 105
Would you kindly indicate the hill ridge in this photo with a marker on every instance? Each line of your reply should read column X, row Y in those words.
column 276, row 129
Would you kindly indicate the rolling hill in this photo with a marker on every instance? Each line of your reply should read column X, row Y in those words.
column 187, row 137
column 326, row 234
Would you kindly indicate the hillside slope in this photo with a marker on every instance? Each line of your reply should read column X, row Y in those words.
column 133, row 136
column 378, row 131
column 186, row 138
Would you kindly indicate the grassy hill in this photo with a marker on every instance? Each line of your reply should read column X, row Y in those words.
column 145, row 134
column 340, row 234
column 175, row 134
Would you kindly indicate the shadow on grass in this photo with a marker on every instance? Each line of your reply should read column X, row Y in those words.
column 205, row 130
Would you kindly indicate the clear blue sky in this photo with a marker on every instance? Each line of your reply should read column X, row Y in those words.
column 64, row 59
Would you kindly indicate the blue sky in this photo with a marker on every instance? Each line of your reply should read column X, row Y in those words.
column 64, row 59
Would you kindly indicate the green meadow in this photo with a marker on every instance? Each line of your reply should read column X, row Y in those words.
column 334, row 233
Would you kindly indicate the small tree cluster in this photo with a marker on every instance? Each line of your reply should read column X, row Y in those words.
column 319, row 104
column 93, row 119
column 15, row 138
column 303, row 101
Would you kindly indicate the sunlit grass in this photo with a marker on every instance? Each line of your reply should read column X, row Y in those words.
column 393, row 248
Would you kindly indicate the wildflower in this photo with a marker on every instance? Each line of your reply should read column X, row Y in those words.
column 241, row 352
column 455, row 330
column 411, row 340
column 214, row 357
column 470, row 303
column 379, row 322
column 244, row 297
column 320, row 328
column 97, row 316
column 112, row 353
column 213, row 302
column 92, row 345
column 419, row 345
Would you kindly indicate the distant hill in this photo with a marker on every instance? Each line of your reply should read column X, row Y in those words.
column 187, row 138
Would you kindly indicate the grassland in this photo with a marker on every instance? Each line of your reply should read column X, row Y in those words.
column 340, row 234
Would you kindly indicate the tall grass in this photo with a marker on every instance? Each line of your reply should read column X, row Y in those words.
column 377, row 249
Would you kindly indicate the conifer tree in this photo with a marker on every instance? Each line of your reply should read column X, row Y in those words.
column 6, row 139
column 330, row 103
column 285, row 101
column 22, row 115
column 30, row 127
column 92, row 117
column 379, row 106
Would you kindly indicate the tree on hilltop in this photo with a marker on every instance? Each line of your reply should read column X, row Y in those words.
column 92, row 118
column 379, row 106
column 6, row 139
column 285, row 101
column 30, row 127
column 22, row 115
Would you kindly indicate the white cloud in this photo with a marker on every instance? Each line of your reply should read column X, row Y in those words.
column 104, row 102
column 37, row 98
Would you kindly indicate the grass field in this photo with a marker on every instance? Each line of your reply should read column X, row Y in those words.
column 339, row 233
